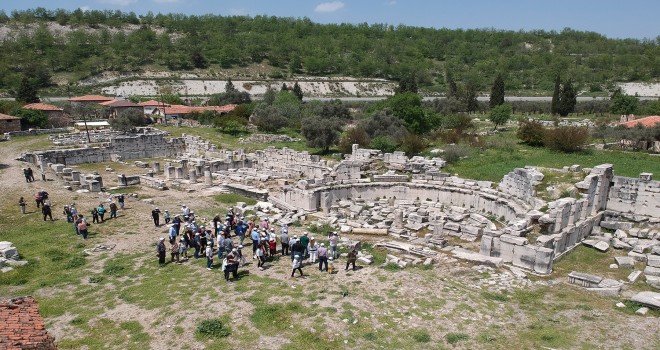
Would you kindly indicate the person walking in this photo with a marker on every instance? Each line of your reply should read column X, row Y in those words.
column 166, row 216
column 284, row 241
column 22, row 204
column 27, row 175
column 113, row 210
column 296, row 249
column 39, row 199
column 304, row 240
column 260, row 258
column 95, row 215
column 160, row 250
column 230, row 264
column 254, row 235
column 45, row 209
column 323, row 257
column 101, row 210
column 352, row 257
column 209, row 257
column 155, row 214
column 334, row 239
column 67, row 212
column 120, row 200
column 296, row 265
column 312, row 248
column 82, row 226
column 174, row 252
column 30, row 174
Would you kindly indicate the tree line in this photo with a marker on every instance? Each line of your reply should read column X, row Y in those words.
column 116, row 41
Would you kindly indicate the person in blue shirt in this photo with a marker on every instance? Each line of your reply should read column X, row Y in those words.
column 254, row 235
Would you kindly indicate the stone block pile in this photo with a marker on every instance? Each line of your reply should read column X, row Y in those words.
column 9, row 257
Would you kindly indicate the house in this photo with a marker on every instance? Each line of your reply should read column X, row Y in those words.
column 118, row 106
column 646, row 122
column 56, row 115
column 153, row 107
column 9, row 123
column 91, row 99
column 180, row 111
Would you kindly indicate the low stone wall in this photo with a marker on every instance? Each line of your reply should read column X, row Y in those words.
column 33, row 132
column 452, row 191
column 640, row 196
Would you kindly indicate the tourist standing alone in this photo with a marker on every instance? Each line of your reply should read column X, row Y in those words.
column 160, row 250
column 155, row 214
column 22, row 204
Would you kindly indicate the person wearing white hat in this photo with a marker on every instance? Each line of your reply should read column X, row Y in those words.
column 323, row 257
column 155, row 214
column 312, row 249
column 296, row 265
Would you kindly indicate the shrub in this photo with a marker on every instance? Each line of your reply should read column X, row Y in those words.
column 213, row 328
column 453, row 153
column 421, row 336
column 453, row 338
column 383, row 143
column 355, row 135
column 566, row 138
column 413, row 144
column 531, row 132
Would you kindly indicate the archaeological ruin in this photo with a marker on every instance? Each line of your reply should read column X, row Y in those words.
column 409, row 200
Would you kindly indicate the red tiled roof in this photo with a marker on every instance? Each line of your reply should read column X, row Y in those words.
column 42, row 107
column 7, row 117
column 153, row 103
column 90, row 98
column 646, row 122
column 119, row 103
column 180, row 109
column 21, row 326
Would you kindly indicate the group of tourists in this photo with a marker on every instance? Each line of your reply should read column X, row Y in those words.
column 217, row 239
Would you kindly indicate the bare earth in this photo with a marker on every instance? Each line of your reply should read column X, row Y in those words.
column 369, row 308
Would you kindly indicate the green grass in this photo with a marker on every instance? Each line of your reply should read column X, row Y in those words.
column 453, row 338
column 493, row 164
column 232, row 199
column 274, row 318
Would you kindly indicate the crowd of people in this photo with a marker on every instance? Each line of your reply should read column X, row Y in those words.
column 224, row 239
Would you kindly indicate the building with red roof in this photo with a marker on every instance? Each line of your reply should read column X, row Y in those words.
column 9, row 123
column 53, row 112
column 180, row 111
column 90, row 99
column 646, row 122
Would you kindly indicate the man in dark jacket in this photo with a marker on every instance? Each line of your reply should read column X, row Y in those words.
column 155, row 214
column 160, row 249
column 297, row 249
column 352, row 257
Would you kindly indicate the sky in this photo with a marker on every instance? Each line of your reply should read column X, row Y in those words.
column 612, row 18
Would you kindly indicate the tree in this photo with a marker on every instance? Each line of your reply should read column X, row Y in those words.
column 230, row 97
column 27, row 91
column 567, row 99
column 198, row 60
column 297, row 91
column 497, row 92
column 128, row 120
column 470, row 97
column 554, row 106
column 269, row 119
column 499, row 115
column 452, row 88
column 321, row 132
column 566, row 138
column 31, row 118
column 623, row 104
column 407, row 84
column 229, row 86
column 407, row 106
column 531, row 132
column 355, row 135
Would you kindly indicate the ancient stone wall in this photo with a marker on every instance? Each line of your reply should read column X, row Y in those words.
column 287, row 163
column 521, row 183
column 640, row 196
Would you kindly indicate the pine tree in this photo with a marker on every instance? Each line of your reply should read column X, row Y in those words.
column 452, row 90
column 297, row 91
column 407, row 84
column 567, row 99
column 284, row 87
column 229, row 86
column 497, row 92
column 27, row 91
column 470, row 97
column 554, row 106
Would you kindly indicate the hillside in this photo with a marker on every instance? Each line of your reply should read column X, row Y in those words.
column 62, row 48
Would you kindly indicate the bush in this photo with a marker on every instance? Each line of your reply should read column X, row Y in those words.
column 454, row 153
column 531, row 132
column 566, row 138
column 213, row 328
column 421, row 336
column 453, row 338
column 413, row 144
column 352, row 136
column 383, row 143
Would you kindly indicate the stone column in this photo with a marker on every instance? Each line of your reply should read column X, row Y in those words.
column 208, row 179
column 192, row 176
column 398, row 219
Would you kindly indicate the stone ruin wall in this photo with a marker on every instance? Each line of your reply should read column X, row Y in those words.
column 638, row 197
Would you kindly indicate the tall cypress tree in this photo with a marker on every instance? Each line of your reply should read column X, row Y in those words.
column 554, row 106
column 452, row 88
column 27, row 91
column 229, row 86
column 497, row 92
column 297, row 91
column 567, row 99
